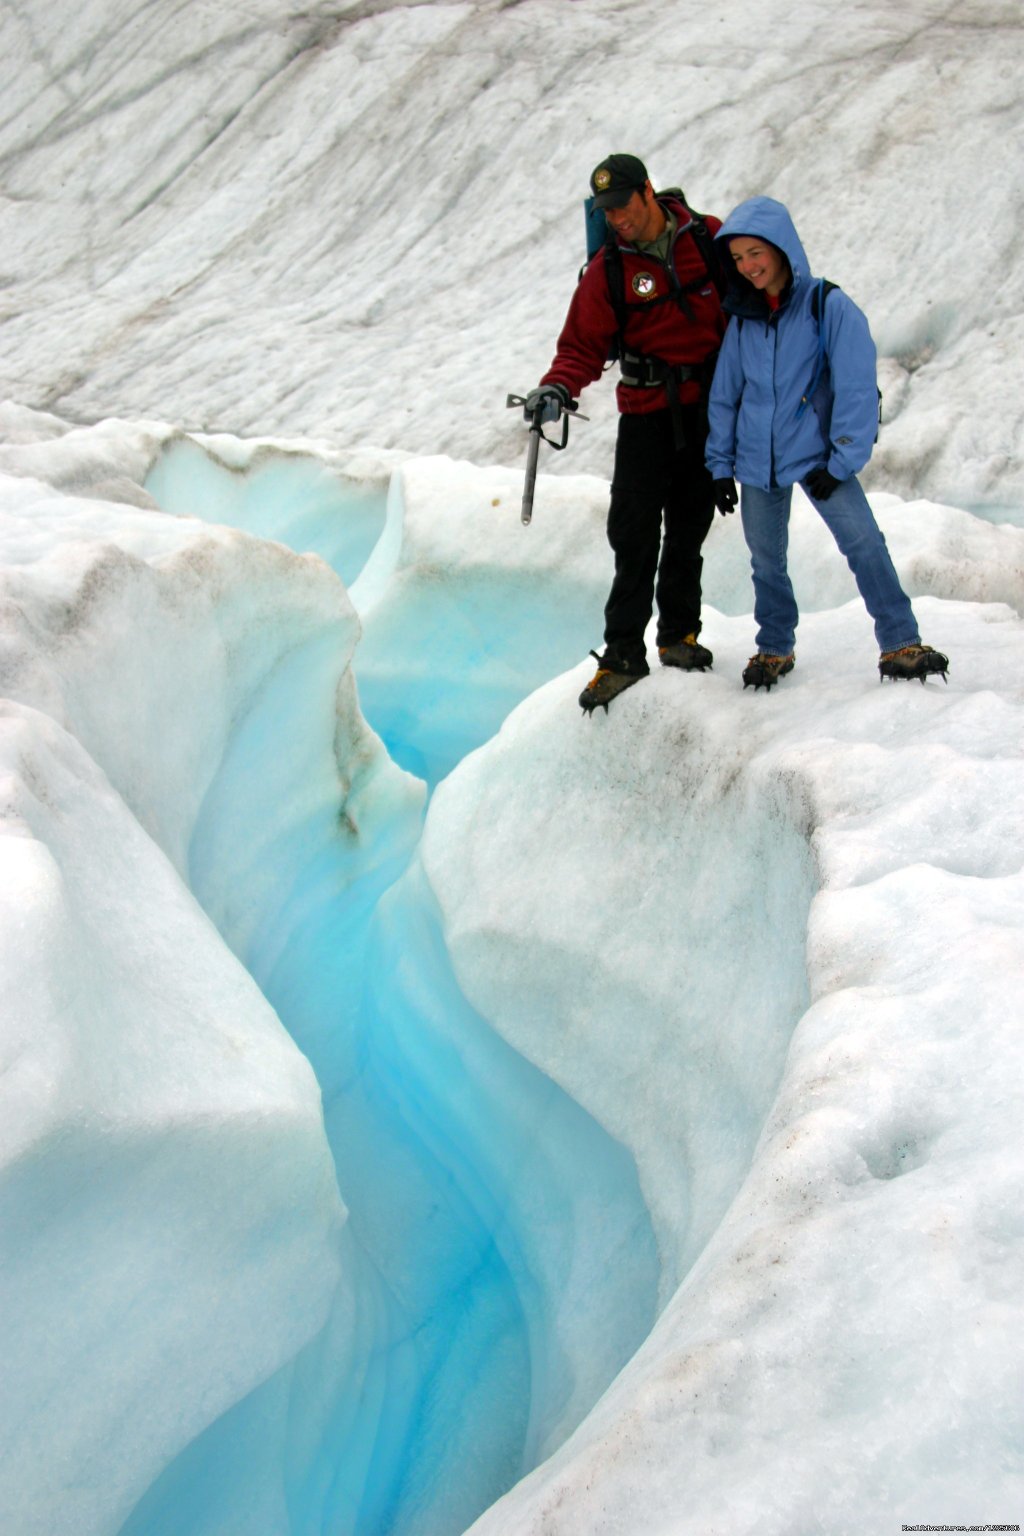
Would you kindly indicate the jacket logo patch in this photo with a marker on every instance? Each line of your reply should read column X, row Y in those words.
column 644, row 285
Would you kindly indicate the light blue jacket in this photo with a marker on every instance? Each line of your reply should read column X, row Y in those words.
column 762, row 431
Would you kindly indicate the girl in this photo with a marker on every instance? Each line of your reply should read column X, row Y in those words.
column 794, row 399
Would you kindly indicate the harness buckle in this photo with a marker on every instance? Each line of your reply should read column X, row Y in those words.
column 641, row 371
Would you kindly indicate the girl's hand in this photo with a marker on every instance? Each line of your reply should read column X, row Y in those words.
column 725, row 495
column 820, row 483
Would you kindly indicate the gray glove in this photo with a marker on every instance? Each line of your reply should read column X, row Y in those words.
column 553, row 399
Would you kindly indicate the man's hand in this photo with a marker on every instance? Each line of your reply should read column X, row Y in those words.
column 821, row 483
column 553, row 399
column 725, row 495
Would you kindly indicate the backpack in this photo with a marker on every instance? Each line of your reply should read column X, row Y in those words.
column 600, row 237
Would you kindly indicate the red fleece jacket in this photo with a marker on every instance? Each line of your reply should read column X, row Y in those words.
column 659, row 330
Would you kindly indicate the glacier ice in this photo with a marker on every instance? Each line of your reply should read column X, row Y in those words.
column 490, row 1222
column 272, row 222
column 601, row 1124
column 169, row 1215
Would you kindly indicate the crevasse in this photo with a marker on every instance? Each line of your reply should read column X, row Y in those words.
column 488, row 1214
column 501, row 1262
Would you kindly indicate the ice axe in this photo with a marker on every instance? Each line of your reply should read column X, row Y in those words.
column 536, row 433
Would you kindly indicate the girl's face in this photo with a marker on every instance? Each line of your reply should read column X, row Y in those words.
column 761, row 263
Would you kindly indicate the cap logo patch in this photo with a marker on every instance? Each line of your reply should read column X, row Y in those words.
column 602, row 178
column 644, row 285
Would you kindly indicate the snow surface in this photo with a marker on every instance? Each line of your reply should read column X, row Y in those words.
column 658, row 1167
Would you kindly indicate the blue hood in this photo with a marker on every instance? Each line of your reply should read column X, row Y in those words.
column 768, row 220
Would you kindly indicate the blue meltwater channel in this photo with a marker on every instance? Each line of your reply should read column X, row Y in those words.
column 499, row 1261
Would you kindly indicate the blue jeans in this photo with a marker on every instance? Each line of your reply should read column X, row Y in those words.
column 849, row 518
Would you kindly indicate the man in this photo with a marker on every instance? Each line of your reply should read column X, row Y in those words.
column 651, row 298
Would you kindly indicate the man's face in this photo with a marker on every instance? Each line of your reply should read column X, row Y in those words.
column 639, row 219
column 760, row 263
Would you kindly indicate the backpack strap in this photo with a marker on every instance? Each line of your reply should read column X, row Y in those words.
column 709, row 251
column 703, row 238
column 822, row 289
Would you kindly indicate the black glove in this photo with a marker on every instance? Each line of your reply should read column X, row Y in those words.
column 725, row 495
column 552, row 398
column 821, row 483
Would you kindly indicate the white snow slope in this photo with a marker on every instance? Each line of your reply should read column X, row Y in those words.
column 690, row 1035
column 362, row 219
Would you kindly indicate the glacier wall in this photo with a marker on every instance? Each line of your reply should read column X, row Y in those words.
column 169, row 1215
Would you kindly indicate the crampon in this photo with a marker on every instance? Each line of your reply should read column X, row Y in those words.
column 913, row 661
column 763, row 671
column 612, row 677
column 688, row 654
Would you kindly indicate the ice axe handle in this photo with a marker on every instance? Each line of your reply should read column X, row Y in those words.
column 536, row 433
column 531, row 473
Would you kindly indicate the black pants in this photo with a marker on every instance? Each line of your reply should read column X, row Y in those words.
column 654, row 479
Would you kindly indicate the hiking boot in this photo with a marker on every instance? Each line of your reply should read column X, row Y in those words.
column 762, row 671
column 686, row 654
column 913, row 661
column 613, row 675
